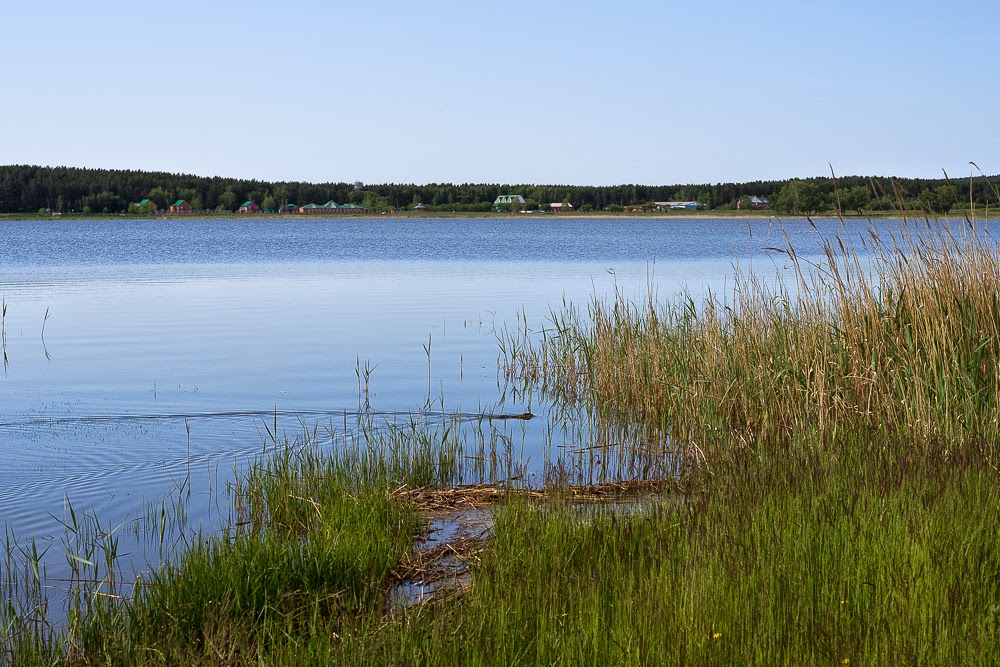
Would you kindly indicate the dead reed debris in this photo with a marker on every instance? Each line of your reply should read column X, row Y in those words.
column 431, row 501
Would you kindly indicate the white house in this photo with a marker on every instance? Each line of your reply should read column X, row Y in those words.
column 676, row 205
column 506, row 202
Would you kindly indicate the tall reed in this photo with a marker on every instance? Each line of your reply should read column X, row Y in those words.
column 896, row 333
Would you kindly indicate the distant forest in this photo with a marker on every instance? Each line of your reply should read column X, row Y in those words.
column 33, row 189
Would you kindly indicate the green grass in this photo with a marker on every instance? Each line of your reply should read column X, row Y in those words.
column 791, row 580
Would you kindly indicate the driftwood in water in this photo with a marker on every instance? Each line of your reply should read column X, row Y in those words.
column 524, row 415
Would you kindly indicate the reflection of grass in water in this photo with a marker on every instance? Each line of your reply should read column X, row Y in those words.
column 836, row 501
column 45, row 348
column 3, row 332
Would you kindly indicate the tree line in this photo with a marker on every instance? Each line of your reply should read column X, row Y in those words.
column 31, row 189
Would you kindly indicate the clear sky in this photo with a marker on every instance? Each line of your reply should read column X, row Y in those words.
column 584, row 92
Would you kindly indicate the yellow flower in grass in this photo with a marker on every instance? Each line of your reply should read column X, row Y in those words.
column 716, row 635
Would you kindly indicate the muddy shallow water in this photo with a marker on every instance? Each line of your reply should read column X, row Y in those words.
column 440, row 559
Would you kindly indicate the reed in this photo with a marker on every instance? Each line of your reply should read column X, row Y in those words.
column 896, row 334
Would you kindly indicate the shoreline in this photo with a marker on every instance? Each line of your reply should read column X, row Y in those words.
column 701, row 215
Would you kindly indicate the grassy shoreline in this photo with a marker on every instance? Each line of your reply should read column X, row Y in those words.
column 835, row 502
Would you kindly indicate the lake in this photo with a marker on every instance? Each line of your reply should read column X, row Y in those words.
column 144, row 356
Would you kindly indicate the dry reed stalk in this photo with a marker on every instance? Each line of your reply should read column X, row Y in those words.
column 897, row 331
column 437, row 563
column 432, row 501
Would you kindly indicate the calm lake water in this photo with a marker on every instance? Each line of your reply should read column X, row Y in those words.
column 139, row 350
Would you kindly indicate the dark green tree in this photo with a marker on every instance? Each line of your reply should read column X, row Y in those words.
column 800, row 197
column 160, row 197
column 228, row 200
column 851, row 200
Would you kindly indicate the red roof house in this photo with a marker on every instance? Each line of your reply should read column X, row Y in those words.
column 180, row 206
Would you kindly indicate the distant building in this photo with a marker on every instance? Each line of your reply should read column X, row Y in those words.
column 147, row 203
column 677, row 205
column 752, row 202
column 419, row 207
column 358, row 185
column 332, row 207
column 560, row 207
column 506, row 202
column 180, row 206
column 249, row 207
column 351, row 208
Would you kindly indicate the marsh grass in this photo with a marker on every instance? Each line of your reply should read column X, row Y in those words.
column 899, row 335
column 843, row 427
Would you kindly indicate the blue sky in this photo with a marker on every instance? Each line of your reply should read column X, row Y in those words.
column 537, row 92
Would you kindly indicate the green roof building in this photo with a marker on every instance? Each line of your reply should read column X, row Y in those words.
column 508, row 203
column 333, row 207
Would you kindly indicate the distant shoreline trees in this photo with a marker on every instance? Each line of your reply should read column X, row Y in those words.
column 27, row 189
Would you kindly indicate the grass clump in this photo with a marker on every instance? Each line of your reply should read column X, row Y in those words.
column 312, row 547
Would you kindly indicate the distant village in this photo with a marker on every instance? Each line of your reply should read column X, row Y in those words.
column 182, row 206
column 513, row 203
column 58, row 191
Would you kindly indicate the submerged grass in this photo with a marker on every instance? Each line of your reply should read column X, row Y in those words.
column 827, row 493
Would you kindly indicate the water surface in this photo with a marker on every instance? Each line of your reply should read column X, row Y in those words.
column 140, row 354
